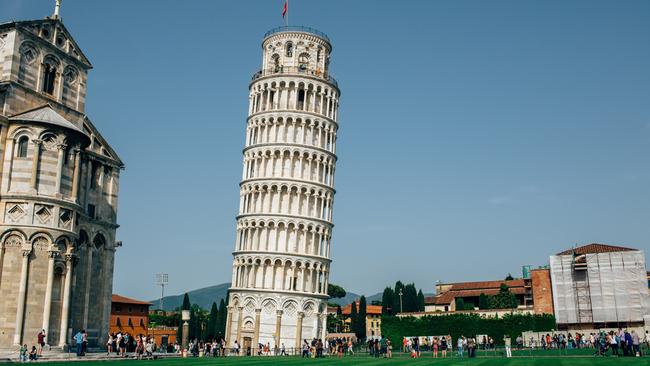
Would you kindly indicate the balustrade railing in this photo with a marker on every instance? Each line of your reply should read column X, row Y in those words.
column 296, row 70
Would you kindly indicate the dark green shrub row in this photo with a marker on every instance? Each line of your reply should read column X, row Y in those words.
column 468, row 325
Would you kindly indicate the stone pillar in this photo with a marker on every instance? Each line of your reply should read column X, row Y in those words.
column 256, row 334
column 301, row 315
column 89, row 266
column 65, row 308
column 47, row 306
column 323, row 325
column 35, row 161
column 75, row 176
column 8, row 165
column 240, row 325
column 59, row 168
column 22, row 293
column 278, row 325
column 229, row 326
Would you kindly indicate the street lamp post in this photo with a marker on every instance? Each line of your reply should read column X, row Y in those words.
column 162, row 279
column 400, row 301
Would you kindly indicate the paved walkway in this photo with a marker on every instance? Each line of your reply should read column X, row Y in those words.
column 56, row 355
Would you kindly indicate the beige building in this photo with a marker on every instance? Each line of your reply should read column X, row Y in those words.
column 58, row 191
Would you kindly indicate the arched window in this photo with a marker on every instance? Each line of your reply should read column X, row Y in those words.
column 303, row 61
column 49, row 77
column 276, row 62
column 289, row 49
column 141, row 322
column 301, row 98
column 21, row 149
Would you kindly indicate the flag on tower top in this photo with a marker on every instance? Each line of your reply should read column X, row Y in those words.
column 286, row 8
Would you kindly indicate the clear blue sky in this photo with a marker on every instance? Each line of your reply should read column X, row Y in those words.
column 475, row 136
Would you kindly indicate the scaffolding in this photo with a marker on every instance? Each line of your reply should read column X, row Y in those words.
column 584, row 311
column 600, row 288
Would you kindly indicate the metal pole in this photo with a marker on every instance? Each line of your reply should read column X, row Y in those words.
column 400, row 301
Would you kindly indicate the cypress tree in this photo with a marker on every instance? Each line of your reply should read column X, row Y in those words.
column 387, row 300
column 361, row 320
column 211, row 330
column 353, row 317
column 420, row 300
column 399, row 287
column 223, row 318
column 483, row 301
column 186, row 303
column 410, row 298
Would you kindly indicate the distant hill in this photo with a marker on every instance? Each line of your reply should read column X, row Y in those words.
column 204, row 297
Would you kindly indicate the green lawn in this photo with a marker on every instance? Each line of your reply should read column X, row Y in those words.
column 360, row 360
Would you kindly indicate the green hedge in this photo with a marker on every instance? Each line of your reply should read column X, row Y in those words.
column 468, row 325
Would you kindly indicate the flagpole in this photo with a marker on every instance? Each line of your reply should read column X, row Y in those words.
column 287, row 13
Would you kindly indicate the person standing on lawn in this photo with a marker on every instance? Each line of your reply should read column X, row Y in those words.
column 508, row 343
column 459, row 346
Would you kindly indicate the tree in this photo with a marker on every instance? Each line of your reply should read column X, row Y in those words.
column 509, row 277
column 410, row 300
column 387, row 300
column 460, row 304
column 211, row 330
column 399, row 288
column 335, row 291
column 420, row 301
column 353, row 317
column 186, row 302
column 222, row 319
column 361, row 320
column 483, row 301
column 504, row 299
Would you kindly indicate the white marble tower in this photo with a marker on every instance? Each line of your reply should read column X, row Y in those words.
column 284, row 227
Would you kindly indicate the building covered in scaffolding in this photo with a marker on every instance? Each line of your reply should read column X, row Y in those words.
column 600, row 286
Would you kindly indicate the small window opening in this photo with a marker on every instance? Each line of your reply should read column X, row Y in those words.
column 49, row 76
column 21, row 151
column 289, row 52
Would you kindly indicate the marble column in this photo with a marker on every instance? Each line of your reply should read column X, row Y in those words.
column 301, row 315
column 256, row 334
column 59, row 168
column 47, row 306
column 88, row 274
column 75, row 176
column 229, row 326
column 35, row 162
column 240, row 325
column 22, row 294
column 65, row 308
column 278, row 327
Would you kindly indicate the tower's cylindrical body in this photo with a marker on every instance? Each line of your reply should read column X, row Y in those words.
column 281, row 261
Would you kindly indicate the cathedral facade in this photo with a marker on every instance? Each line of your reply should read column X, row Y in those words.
column 284, row 227
column 58, row 191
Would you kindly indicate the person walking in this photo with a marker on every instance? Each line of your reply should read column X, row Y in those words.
column 508, row 344
column 459, row 346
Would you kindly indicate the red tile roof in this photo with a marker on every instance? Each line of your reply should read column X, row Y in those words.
column 370, row 309
column 485, row 285
column 126, row 300
column 595, row 248
column 474, row 289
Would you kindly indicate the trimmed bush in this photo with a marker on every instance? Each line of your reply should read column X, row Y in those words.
column 468, row 325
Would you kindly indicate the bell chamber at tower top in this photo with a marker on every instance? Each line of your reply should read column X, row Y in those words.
column 296, row 50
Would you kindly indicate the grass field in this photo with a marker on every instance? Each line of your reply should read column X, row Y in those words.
column 367, row 361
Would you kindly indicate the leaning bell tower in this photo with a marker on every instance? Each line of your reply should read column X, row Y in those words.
column 281, row 261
